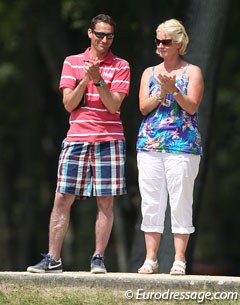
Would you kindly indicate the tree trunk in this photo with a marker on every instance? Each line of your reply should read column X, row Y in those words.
column 206, row 23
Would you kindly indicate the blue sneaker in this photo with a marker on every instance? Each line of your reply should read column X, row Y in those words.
column 97, row 264
column 47, row 264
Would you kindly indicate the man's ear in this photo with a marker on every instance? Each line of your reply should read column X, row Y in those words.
column 90, row 33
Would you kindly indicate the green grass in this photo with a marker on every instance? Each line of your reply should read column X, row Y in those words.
column 26, row 294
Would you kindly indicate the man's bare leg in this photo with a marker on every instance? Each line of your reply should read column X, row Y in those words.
column 59, row 222
column 104, row 223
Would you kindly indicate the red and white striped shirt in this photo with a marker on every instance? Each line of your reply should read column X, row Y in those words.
column 93, row 122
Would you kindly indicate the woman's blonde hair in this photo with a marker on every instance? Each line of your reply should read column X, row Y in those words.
column 177, row 31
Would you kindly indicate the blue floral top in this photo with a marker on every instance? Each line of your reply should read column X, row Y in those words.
column 169, row 128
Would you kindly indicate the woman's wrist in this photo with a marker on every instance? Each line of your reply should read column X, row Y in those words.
column 158, row 97
column 175, row 92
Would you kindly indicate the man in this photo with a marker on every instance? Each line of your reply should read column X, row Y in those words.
column 94, row 84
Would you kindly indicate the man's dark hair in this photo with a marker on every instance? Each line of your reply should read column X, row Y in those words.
column 102, row 18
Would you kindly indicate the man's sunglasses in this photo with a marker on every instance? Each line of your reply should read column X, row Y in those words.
column 102, row 35
column 164, row 42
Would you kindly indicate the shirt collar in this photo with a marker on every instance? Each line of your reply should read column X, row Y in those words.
column 107, row 60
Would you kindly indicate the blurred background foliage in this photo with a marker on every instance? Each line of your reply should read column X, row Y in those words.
column 35, row 37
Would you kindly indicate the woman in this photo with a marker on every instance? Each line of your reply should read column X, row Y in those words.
column 169, row 144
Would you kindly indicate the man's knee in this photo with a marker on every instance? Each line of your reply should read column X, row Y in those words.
column 105, row 204
column 63, row 200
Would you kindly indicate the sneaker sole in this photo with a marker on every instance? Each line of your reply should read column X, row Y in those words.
column 98, row 270
column 33, row 270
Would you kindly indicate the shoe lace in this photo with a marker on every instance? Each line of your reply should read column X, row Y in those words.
column 98, row 257
column 98, row 260
column 46, row 255
column 49, row 258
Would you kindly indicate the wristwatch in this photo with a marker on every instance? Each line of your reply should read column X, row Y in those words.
column 175, row 92
column 101, row 83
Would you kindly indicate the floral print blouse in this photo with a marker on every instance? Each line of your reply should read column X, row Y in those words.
column 169, row 128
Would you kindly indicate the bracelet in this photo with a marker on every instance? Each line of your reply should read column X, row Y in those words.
column 175, row 92
column 159, row 98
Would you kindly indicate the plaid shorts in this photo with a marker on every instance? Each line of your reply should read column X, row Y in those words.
column 92, row 169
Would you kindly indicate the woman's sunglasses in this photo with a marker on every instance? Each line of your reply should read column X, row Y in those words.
column 164, row 42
